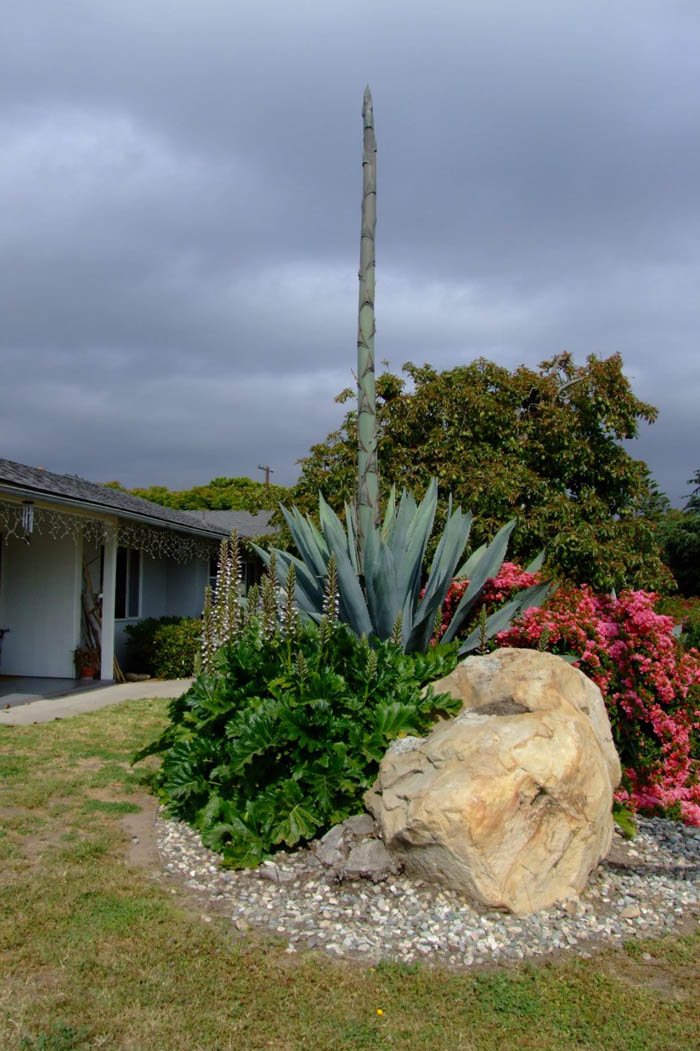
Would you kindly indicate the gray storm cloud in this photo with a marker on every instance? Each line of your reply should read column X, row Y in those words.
column 180, row 229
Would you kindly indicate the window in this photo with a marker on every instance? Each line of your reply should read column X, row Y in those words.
column 128, row 586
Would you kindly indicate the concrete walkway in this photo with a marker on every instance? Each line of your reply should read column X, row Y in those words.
column 90, row 700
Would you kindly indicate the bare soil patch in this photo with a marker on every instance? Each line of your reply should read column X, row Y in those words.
column 141, row 848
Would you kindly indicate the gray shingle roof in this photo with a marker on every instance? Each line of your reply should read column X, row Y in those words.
column 246, row 524
column 19, row 479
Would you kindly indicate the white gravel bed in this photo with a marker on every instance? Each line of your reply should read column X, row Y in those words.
column 645, row 888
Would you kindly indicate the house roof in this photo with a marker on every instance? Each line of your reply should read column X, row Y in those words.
column 35, row 483
column 246, row 524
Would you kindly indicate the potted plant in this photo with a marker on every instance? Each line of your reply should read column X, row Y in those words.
column 87, row 662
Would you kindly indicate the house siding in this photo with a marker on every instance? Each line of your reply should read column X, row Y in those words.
column 40, row 604
column 168, row 589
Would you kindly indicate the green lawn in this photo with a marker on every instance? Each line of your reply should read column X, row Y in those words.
column 95, row 954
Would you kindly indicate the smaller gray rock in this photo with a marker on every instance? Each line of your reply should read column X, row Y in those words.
column 359, row 825
column 333, row 837
column 272, row 872
column 370, row 860
column 329, row 850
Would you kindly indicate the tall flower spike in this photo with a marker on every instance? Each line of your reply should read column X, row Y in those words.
column 301, row 666
column 371, row 666
column 208, row 630
column 397, row 633
column 483, row 632
column 270, row 610
column 437, row 629
column 233, row 582
column 289, row 613
column 218, row 598
column 253, row 602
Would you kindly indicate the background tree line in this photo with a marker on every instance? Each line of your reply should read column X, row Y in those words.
column 544, row 445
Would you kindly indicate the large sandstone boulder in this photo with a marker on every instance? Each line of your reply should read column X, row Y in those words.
column 510, row 801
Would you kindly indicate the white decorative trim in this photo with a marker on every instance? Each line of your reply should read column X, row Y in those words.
column 154, row 542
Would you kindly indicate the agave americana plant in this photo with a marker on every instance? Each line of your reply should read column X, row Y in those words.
column 381, row 587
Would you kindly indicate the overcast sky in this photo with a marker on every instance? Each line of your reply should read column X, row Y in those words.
column 179, row 230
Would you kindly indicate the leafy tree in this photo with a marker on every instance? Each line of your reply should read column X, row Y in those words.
column 544, row 445
column 679, row 533
column 693, row 504
column 220, row 494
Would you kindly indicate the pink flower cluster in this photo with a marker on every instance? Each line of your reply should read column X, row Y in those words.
column 650, row 684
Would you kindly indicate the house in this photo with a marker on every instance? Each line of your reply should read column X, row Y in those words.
column 74, row 554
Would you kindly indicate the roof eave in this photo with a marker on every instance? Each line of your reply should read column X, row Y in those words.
column 93, row 505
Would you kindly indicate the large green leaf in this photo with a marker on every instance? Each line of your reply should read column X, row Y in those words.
column 293, row 824
column 394, row 718
column 245, row 849
column 254, row 733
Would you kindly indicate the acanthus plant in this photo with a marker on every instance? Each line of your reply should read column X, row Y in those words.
column 651, row 685
column 282, row 735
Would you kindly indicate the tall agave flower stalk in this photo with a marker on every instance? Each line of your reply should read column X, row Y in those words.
column 368, row 475
column 376, row 571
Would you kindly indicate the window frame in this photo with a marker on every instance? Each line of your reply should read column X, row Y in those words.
column 128, row 593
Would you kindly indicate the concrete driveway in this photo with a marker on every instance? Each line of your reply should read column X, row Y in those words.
column 88, row 700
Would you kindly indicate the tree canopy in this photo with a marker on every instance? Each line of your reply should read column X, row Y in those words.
column 544, row 446
column 220, row 494
column 679, row 532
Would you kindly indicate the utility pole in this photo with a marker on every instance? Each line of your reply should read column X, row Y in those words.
column 268, row 471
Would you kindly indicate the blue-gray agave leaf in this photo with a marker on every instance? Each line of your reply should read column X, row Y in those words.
column 537, row 562
column 447, row 555
column 389, row 513
column 309, row 541
column 353, row 607
column 408, row 540
column 502, row 618
column 488, row 566
column 385, row 589
column 467, row 568
column 351, row 525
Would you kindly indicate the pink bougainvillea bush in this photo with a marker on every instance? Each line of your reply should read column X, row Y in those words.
column 650, row 684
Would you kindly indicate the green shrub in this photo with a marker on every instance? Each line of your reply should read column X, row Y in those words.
column 140, row 645
column 282, row 739
column 163, row 646
column 176, row 647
